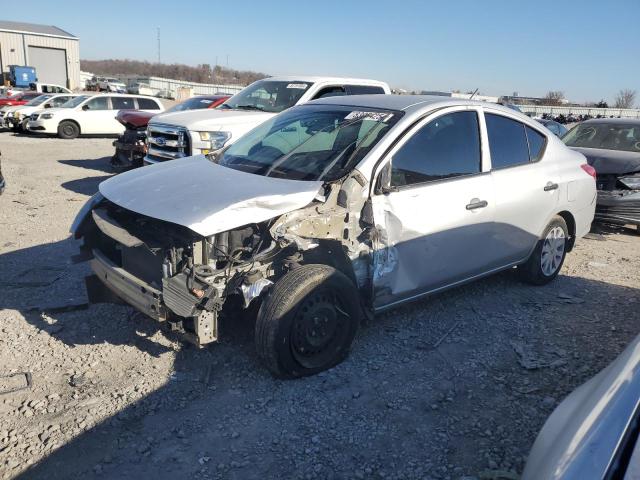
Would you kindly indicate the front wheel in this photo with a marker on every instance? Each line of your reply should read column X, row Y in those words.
column 68, row 130
column 547, row 258
column 307, row 322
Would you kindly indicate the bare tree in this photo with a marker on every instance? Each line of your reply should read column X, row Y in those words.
column 625, row 99
column 554, row 97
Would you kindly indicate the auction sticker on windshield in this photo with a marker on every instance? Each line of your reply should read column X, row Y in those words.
column 299, row 86
column 375, row 116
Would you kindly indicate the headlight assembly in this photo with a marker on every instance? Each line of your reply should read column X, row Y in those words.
column 46, row 116
column 216, row 139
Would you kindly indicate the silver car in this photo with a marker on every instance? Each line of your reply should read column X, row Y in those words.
column 593, row 434
column 335, row 210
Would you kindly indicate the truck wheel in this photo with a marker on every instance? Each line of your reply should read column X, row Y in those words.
column 68, row 130
column 307, row 321
column 547, row 258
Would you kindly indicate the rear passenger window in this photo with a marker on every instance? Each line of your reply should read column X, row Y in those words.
column 147, row 104
column 446, row 147
column 537, row 142
column 364, row 90
column 122, row 103
column 507, row 142
column 331, row 92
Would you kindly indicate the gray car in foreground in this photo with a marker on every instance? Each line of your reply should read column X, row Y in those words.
column 335, row 210
column 593, row 434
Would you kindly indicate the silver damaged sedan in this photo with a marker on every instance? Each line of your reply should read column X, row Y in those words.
column 333, row 211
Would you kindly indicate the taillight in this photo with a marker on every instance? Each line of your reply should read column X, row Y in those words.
column 589, row 169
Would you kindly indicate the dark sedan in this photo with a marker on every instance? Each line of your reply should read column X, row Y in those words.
column 612, row 147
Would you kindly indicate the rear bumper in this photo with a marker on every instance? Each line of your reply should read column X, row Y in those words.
column 618, row 206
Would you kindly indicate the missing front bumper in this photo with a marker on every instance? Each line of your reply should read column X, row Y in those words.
column 618, row 206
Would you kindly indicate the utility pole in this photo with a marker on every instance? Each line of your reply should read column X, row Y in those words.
column 227, row 61
column 158, row 44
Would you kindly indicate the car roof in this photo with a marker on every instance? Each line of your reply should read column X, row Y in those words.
column 614, row 121
column 316, row 79
column 405, row 103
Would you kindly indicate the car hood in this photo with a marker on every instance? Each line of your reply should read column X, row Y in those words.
column 614, row 162
column 211, row 120
column 206, row 197
column 582, row 434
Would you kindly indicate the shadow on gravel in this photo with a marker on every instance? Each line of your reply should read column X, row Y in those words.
column 85, row 186
column 99, row 164
column 411, row 372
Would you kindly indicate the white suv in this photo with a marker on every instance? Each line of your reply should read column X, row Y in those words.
column 181, row 134
column 111, row 85
column 89, row 114
column 18, row 116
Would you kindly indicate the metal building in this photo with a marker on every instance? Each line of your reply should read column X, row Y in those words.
column 54, row 53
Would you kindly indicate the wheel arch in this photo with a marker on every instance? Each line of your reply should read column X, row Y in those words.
column 72, row 120
column 568, row 217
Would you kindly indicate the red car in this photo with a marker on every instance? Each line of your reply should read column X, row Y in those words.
column 18, row 99
column 131, row 146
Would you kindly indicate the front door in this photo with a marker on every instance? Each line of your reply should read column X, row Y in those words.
column 97, row 116
column 434, row 221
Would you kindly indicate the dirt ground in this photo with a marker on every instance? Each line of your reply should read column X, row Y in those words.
column 454, row 386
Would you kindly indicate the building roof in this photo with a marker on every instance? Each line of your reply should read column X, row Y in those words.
column 35, row 29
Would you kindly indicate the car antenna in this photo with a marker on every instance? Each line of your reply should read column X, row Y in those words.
column 474, row 94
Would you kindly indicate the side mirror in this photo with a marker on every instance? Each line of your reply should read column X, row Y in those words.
column 47, row 105
column 383, row 182
column 85, row 107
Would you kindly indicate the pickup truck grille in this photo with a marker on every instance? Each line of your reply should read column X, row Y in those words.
column 167, row 142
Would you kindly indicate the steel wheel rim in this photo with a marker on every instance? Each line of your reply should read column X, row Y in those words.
column 553, row 251
column 319, row 329
column 68, row 129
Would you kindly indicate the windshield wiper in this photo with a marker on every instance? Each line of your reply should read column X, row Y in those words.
column 249, row 107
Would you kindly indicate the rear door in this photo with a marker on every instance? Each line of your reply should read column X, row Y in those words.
column 435, row 219
column 526, row 183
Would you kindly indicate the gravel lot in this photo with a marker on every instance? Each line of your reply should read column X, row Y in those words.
column 455, row 386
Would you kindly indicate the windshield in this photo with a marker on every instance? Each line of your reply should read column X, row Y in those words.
column 74, row 102
column 608, row 136
column 38, row 100
column 268, row 96
column 194, row 103
column 311, row 142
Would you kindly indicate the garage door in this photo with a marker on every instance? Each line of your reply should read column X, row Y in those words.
column 50, row 65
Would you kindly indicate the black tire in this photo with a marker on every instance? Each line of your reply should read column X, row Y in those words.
column 532, row 270
column 68, row 130
column 307, row 321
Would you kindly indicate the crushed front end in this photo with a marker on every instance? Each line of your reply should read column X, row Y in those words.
column 618, row 198
column 172, row 274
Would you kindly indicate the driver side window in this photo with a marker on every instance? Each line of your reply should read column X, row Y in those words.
column 446, row 147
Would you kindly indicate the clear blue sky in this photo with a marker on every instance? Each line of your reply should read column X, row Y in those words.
column 589, row 49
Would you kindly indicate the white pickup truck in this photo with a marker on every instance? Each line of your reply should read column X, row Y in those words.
column 194, row 132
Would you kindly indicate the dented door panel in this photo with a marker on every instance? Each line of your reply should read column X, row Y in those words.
column 427, row 238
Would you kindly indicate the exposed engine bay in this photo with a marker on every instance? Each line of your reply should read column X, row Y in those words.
column 186, row 281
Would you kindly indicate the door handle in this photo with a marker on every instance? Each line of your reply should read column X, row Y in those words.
column 476, row 203
column 550, row 186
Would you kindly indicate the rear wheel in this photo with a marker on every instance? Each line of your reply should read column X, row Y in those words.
column 68, row 130
column 307, row 322
column 545, row 262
